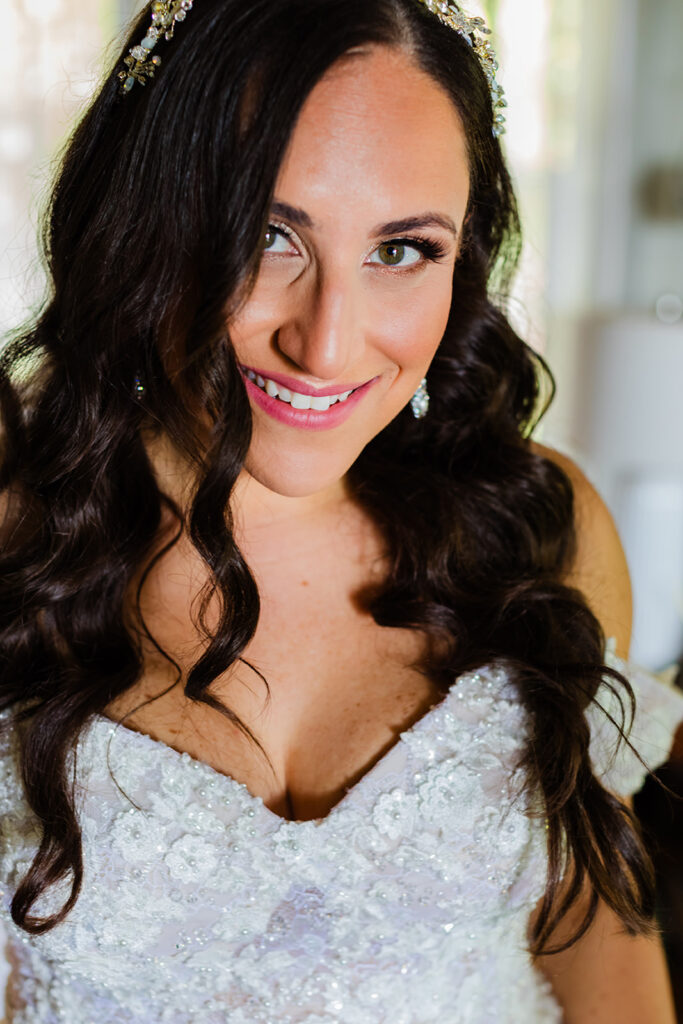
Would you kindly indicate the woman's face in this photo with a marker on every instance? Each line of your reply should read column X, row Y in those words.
column 354, row 289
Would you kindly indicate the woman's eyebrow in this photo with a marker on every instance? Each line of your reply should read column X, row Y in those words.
column 424, row 220
column 295, row 215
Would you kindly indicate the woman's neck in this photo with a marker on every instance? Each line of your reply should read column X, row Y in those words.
column 258, row 512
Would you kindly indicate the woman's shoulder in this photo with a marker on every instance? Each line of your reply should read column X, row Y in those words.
column 599, row 568
column 600, row 572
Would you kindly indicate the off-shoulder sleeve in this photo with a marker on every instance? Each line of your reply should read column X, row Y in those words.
column 659, row 712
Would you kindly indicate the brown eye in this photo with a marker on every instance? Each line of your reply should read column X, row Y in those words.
column 396, row 254
column 391, row 254
column 277, row 240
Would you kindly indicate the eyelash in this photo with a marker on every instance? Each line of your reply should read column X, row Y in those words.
column 281, row 229
column 431, row 250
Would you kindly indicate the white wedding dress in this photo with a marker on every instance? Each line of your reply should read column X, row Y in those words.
column 407, row 904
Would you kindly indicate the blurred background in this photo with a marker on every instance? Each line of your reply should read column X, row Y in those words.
column 595, row 143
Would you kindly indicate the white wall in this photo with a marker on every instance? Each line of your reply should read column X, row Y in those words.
column 619, row 366
column 655, row 254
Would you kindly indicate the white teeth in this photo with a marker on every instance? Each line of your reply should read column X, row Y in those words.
column 295, row 398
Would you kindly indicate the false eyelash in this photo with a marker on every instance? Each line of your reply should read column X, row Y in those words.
column 282, row 228
column 430, row 249
column 285, row 232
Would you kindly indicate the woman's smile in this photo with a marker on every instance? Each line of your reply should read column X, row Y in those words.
column 305, row 408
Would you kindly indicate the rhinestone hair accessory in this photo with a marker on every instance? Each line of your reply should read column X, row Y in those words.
column 140, row 64
column 474, row 31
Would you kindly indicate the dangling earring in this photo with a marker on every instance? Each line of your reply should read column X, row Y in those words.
column 419, row 403
column 138, row 388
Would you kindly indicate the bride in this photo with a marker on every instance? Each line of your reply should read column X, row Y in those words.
column 308, row 712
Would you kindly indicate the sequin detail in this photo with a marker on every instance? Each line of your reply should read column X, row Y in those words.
column 407, row 904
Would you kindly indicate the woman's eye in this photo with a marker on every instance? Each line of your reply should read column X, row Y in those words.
column 276, row 241
column 396, row 254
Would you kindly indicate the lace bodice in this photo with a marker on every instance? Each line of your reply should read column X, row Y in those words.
column 407, row 904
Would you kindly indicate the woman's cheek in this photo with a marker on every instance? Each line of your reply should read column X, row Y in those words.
column 268, row 303
column 414, row 321
column 261, row 314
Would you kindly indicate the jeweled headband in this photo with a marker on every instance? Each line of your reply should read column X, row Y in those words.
column 141, row 65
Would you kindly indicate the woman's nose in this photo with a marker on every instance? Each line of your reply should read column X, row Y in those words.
column 323, row 330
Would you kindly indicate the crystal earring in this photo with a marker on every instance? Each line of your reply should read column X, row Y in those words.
column 138, row 388
column 419, row 403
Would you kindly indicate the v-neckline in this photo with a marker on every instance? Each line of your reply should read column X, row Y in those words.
column 276, row 820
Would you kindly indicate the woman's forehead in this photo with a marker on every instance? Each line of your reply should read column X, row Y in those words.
column 377, row 129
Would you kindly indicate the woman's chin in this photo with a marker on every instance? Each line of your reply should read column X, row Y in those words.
column 296, row 480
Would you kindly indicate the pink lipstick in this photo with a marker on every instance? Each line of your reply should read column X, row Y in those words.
column 306, row 419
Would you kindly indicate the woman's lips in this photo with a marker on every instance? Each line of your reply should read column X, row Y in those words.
column 307, row 419
column 303, row 389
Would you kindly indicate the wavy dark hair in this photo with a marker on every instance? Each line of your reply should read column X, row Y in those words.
column 154, row 231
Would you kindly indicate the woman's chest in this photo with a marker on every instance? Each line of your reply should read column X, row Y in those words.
column 322, row 688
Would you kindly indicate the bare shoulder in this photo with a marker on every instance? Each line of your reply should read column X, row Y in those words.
column 608, row 976
column 600, row 570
